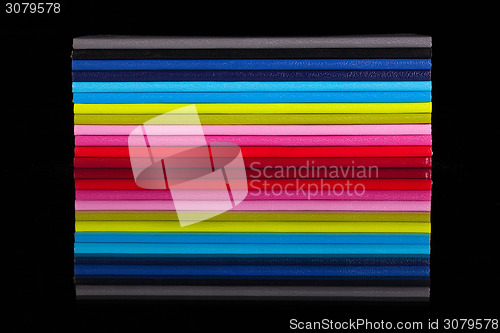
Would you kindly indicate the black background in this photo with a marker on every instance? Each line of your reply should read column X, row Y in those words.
column 37, row 133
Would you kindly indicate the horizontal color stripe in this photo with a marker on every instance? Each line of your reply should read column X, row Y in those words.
column 327, row 185
column 240, row 270
column 253, row 75
column 364, row 172
column 256, row 97
column 276, row 86
column 307, row 256
column 151, row 248
column 252, row 280
column 406, row 129
column 252, row 64
column 264, row 260
column 254, row 108
column 263, row 162
column 269, row 216
column 343, row 205
column 250, row 238
column 392, row 195
column 204, row 42
column 275, row 140
column 332, row 151
column 260, row 119
column 248, row 53
column 227, row 226
column 371, row 293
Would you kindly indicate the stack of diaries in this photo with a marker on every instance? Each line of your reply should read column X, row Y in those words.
column 274, row 168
